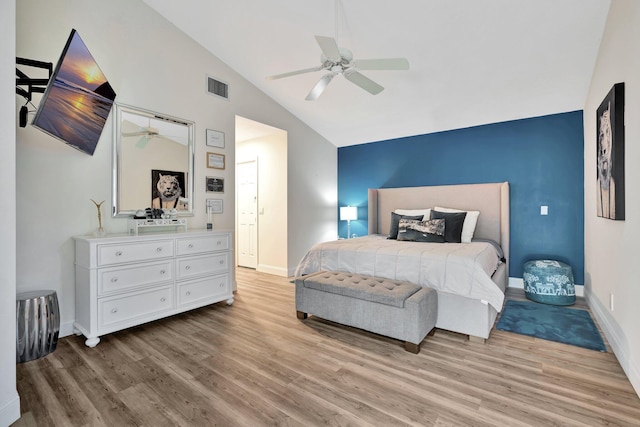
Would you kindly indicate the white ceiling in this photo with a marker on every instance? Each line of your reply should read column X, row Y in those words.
column 472, row 61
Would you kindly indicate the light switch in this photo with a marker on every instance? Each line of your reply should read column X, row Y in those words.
column 544, row 210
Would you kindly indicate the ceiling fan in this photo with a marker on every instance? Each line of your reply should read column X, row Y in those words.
column 147, row 133
column 338, row 60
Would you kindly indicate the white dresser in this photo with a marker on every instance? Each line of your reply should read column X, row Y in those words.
column 123, row 280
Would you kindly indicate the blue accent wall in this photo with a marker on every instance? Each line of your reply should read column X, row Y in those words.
column 542, row 158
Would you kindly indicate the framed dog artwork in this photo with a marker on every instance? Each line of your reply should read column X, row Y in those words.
column 167, row 188
column 610, row 155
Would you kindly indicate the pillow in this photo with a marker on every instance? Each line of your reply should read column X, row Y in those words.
column 452, row 225
column 395, row 219
column 470, row 222
column 426, row 212
column 431, row 230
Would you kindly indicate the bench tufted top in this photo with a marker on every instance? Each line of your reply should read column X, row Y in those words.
column 368, row 288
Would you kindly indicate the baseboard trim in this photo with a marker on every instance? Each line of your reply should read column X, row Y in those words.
column 269, row 269
column 66, row 329
column 617, row 340
column 10, row 412
column 518, row 283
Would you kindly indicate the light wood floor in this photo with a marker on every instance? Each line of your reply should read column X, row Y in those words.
column 255, row 364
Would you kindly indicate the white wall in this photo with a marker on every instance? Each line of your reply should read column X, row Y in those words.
column 611, row 247
column 9, row 400
column 271, row 153
column 152, row 65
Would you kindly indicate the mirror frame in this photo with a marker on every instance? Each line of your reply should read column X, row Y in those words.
column 117, row 164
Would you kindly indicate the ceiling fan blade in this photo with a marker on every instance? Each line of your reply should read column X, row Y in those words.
column 329, row 48
column 364, row 82
column 143, row 141
column 319, row 87
column 295, row 73
column 140, row 133
column 382, row 64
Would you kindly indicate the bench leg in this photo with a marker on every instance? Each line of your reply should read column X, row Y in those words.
column 300, row 315
column 411, row 347
column 432, row 332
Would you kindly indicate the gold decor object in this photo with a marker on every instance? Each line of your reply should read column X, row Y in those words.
column 100, row 231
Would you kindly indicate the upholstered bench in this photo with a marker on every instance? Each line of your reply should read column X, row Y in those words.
column 397, row 309
column 549, row 282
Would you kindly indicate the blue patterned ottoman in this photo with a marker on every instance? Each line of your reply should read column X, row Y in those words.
column 549, row 282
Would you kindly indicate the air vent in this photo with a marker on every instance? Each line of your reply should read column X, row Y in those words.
column 217, row 88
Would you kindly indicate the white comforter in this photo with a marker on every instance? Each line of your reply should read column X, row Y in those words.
column 458, row 268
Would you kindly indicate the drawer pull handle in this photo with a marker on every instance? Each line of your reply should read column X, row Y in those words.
column 222, row 284
column 188, row 293
column 114, row 279
column 158, row 249
column 162, row 271
column 163, row 299
column 119, row 253
column 219, row 242
column 187, row 267
column 114, row 310
column 190, row 245
column 221, row 261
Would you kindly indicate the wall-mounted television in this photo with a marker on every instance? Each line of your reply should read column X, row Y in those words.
column 78, row 98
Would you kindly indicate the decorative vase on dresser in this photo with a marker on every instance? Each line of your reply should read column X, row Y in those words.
column 124, row 280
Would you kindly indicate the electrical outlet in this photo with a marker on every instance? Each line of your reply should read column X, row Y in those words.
column 544, row 210
column 611, row 301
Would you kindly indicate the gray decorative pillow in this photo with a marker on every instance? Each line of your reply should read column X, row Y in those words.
column 431, row 230
column 395, row 220
column 453, row 224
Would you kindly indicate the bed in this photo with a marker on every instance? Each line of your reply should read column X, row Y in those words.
column 470, row 289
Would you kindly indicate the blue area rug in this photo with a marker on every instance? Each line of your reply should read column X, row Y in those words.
column 552, row 323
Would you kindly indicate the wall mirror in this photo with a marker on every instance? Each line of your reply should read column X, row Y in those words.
column 152, row 162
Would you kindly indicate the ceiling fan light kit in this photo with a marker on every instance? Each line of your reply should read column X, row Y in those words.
column 338, row 60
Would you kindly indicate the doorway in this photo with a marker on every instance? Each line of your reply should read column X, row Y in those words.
column 261, row 197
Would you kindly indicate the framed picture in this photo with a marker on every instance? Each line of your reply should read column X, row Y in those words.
column 214, row 206
column 610, row 155
column 215, row 185
column 215, row 161
column 215, row 138
column 168, row 189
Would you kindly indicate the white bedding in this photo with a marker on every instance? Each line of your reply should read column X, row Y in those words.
column 459, row 268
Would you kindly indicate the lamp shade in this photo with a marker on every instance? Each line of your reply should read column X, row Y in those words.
column 348, row 213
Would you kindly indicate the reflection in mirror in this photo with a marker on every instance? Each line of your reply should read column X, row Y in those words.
column 152, row 162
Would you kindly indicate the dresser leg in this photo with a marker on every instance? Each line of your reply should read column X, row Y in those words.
column 230, row 301
column 92, row 342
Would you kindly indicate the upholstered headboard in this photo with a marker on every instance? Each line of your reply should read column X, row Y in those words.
column 492, row 200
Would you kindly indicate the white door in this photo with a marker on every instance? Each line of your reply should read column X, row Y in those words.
column 247, row 181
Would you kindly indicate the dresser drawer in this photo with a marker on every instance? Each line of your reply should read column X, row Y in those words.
column 198, row 245
column 130, row 252
column 134, row 307
column 201, row 291
column 114, row 279
column 208, row 264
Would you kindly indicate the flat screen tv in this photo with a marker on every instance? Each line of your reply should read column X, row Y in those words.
column 78, row 98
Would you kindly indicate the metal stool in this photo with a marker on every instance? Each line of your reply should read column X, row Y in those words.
column 37, row 324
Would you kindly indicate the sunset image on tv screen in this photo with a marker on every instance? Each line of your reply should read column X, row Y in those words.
column 78, row 99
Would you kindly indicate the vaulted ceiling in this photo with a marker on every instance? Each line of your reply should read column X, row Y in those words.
column 471, row 62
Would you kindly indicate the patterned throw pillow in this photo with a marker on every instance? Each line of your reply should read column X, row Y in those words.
column 431, row 230
column 395, row 221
